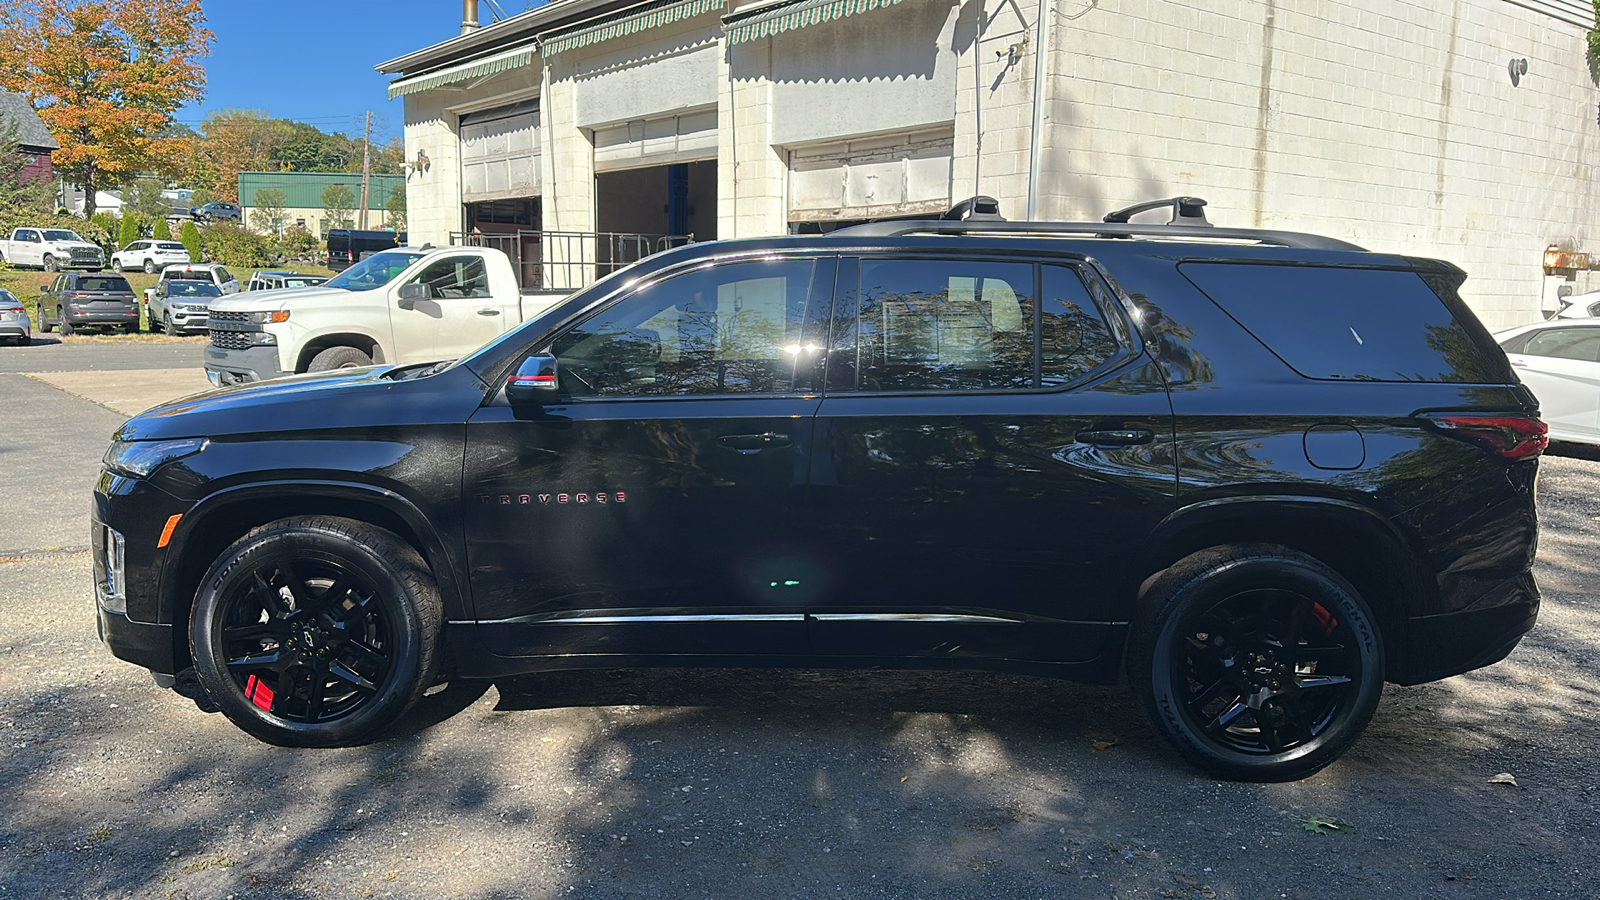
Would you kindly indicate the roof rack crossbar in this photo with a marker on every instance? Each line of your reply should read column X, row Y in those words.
column 1097, row 229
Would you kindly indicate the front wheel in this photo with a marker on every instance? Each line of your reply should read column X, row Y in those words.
column 116, row 266
column 50, row 264
column 167, row 326
column 149, row 267
column 338, row 358
column 1257, row 662
column 316, row 632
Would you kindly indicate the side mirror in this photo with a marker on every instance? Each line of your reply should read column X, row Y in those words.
column 534, row 382
column 411, row 293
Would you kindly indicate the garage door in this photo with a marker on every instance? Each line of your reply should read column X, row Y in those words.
column 500, row 153
column 689, row 137
column 867, row 178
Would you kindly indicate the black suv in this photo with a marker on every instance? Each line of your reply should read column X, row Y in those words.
column 1256, row 473
column 83, row 299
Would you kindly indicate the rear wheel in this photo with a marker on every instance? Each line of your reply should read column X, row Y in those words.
column 338, row 358
column 1257, row 662
column 66, row 325
column 316, row 632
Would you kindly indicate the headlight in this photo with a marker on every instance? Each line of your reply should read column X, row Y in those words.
column 264, row 318
column 262, row 339
column 140, row 458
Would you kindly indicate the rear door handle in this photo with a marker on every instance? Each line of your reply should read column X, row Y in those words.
column 1117, row 437
column 488, row 312
column 755, row 443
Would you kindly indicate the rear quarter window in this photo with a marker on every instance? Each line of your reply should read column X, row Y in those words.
column 1349, row 324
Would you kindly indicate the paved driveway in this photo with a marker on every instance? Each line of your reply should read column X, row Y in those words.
column 756, row 784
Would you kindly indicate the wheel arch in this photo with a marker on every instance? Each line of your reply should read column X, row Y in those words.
column 362, row 341
column 1358, row 542
column 222, row 518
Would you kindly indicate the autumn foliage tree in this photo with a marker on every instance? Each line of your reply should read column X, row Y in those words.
column 106, row 77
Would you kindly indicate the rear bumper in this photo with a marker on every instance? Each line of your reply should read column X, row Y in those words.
column 101, row 316
column 1452, row 643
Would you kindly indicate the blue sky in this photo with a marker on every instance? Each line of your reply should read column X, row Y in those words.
column 312, row 61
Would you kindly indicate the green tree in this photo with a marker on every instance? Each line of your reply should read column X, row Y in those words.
column 396, row 207
column 130, row 228
column 106, row 77
column 190, row 237
column 269, row 214
column 339, row 203
column 145, row 199
column 163, row 231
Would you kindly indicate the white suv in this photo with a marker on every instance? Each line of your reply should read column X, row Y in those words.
column 149, row 255
column 225, row 281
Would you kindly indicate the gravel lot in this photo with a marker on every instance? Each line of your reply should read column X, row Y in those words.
column 755, row 783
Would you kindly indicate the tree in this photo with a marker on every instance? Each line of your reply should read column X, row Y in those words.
column 163, row 231
column 269, row 214
column 106, row 77
column 145, row 199
column 396, row 208
column 130, row 228
column 190, row 238
column 234, row 141
column 339, row 202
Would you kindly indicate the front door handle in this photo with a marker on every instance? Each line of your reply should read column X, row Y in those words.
column 488, row 312
column 755, row 443
column 1117, row 437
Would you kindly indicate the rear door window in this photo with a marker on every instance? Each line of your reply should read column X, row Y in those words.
column 1351, row 324
column 1566, row 343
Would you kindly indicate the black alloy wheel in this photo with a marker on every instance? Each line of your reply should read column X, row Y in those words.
column 1258, row 663
column 316, row 632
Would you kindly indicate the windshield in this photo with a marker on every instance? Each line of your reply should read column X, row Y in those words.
column 59, row 234
column 193, row 289
column 374, row 271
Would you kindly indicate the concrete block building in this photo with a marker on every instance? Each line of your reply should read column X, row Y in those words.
column 1465, row 130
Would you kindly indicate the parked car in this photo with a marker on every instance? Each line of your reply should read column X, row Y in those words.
column 149, row 255
column 215, row 211
column 1559, row 361
column 51, row 249
column 1259, row 472
column 180, row 306
column 278, row 280
column 80, row 299
column 15, row 324
column 1580, row 306
column 347, row 246
column 400, row 306
column 215, row 273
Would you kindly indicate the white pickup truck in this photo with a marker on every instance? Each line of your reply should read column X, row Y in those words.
column 400, row 306
column 51, row 249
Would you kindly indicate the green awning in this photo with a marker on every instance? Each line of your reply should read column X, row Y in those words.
column 798, row 15
column 666, row 14
column 504, row 61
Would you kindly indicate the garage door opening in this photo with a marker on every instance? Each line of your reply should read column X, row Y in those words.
column 653, row 208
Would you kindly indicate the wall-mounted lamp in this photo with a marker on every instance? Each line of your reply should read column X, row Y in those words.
column 418, row 167
column 1517, row 68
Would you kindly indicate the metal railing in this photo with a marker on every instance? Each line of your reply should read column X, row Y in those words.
column 569, row 260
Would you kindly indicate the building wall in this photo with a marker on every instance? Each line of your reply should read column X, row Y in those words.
column 38, row 165
column 1390, row 123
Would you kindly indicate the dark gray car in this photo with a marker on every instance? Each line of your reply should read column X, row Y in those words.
column 78, row 299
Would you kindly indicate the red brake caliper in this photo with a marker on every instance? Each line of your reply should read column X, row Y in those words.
column 1329, row 623
column 258, row 693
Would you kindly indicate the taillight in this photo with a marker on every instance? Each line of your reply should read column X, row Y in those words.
column 1509, row 437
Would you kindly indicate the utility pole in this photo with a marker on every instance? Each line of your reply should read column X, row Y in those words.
column 366, row 172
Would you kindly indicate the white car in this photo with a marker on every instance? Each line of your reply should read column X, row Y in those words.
column 14, row 322
column 1580, row 306
column 1559, row 361
column 149, row 255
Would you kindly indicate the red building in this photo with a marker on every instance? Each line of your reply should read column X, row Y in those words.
column 19, row 121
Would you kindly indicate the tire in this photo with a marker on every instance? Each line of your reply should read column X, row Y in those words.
column 149, row 267
column 316, row 632
column 64, row 323
column 116, row 266
column 50, row 264
column 1257, row 662
column 338, row 358
column 45, row 325
column 131, row 328
column 166, row 325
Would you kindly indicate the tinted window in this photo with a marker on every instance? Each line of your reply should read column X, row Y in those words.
column 169, row 245
column 455, row 278
column 103, row 283
column 922, row 324
column 732, row 329
column 1566, row 343
column 1353, row 324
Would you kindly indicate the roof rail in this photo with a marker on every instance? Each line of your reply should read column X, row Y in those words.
column 1185, row 211
column 1201, row 233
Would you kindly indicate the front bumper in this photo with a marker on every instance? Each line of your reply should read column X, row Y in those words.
column 186, row 320
column 225, row 366
column 134, row 625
